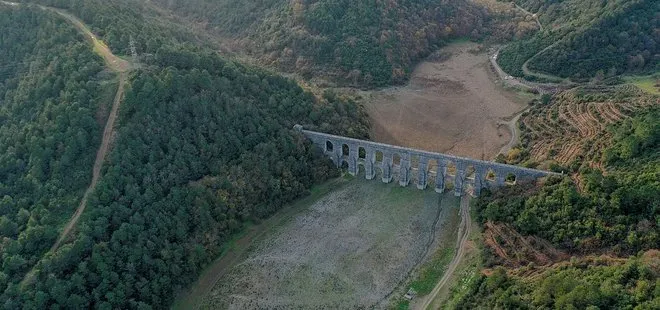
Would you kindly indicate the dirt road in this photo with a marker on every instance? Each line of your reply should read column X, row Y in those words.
column 552, row 78
column 121, row 67
column 463, row 235
column 515, row 132
column 98, row 163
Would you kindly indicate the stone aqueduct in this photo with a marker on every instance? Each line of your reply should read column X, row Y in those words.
column 373, row 156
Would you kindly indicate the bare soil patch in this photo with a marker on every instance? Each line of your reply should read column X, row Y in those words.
column 515, row 250
column 451, row 106
column 351, row 249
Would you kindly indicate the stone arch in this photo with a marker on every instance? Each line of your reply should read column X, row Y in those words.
column 510, row 178
column 362, row 152
column 490, row 175
column 451, row 167
column 329, row 146
column 470, row 172
column 361, row 170
column 345, row 149
column 432, row 167
column 414, row 161
column 379, row 156
column 396, row 159
column 378, row 172
column 344, row 164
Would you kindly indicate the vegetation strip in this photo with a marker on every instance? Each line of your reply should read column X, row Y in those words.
column 464, row 234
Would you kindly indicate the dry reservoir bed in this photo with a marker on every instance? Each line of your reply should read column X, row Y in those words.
column 449, row 106
column 349, row 249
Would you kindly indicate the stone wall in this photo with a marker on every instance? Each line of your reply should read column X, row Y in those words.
column 418, row 166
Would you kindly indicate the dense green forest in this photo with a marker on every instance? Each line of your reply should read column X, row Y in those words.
column 204, row 145
column 618, row 210
column 580, row 284
column 54, row 99
column 584, row 39
column 360, row 43
column 117, row 21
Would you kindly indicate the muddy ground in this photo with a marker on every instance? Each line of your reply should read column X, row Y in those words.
column 450, row 106
column 350, row 249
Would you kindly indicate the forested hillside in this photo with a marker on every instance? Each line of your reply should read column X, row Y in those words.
column 609, row 205
column 583, row 39
column 615, row 202
column 117, row 21
column 54, row 99
column 360, row 43
column 600, row 283
column 203, row 146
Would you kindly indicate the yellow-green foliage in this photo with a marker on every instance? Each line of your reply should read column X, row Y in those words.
column 579, row 285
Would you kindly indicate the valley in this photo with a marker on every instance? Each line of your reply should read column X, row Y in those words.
column 202, row 196
column 454, row 106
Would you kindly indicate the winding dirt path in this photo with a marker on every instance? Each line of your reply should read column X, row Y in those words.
column 515, row 132
column 553, row 78
column 463, row 235
column 121, row 67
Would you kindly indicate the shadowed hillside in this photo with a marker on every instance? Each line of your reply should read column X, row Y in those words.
column 360, row 43
column 583, row 39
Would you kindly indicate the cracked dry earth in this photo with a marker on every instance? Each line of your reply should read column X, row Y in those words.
column 349, row 250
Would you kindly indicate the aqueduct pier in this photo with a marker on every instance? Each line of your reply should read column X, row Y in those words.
column 417, row 165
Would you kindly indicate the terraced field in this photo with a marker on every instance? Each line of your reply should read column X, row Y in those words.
column 580, row 117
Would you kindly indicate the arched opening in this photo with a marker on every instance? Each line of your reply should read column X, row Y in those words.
column 329, row 147
column 362, row 172
column 344, row 164
column 378, row 172
column 432, row 167
column 451, row 168
column 345, row 149
column 490, row 175
column 396, row 159
column 470, row 172
column 414, row 161
column 414, row 169
column 432, row 172
column 379, row 156
column 510, row 178
column 362, row 153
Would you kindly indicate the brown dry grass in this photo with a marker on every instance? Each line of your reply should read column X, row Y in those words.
column 452, row 106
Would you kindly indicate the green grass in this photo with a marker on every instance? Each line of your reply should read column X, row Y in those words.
column 431, row 272
column 645, row 83
column 468, row 271
column 403, row 305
